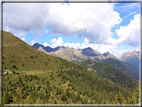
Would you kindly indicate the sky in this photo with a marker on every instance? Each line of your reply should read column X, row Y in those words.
column 113, row 27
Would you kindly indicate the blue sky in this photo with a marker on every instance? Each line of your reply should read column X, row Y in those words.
column 113, row 27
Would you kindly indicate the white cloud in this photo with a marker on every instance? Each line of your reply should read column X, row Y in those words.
column 58, row 42
column 46, row 44
column 53, row 40
column 23, row 39
column 119, row 53
column 130, row 34
column 102, row 48
column 72, row 45
column 21, row 18
column 91, row 20
column 138, row 49
column 33, row 42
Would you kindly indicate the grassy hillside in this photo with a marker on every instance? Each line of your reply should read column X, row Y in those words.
column 19, row 56
column 38, row 78
column 122, row 67
column 109, row 72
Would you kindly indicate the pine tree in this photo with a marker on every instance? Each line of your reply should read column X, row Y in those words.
column 39, row 101
column 6, row 98
column 29, row 100
column 120, row 98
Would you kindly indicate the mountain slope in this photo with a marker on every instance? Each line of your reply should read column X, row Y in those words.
column 132, row 57
column 17, row 55
column 109, row 72
column 132, row 66
column 120, row 66
column 61, row 81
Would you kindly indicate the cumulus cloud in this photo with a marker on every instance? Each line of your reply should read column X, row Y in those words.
column 102, row 48
column 53, row 40
column 90, row 20
column 23, row 39
column 130, row 34
column 46, row 44
column 138, row 49
column 72, row 45
column 58, row 42
column 33, row 42
column 119, row 53
column 21, row 18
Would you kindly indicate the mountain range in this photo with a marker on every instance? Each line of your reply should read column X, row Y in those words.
column 71, row 54
column 87, row 53
column 77, row 55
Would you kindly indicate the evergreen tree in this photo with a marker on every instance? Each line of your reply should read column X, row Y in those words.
column 29, row 100
column 120, row 98
column 6, row 98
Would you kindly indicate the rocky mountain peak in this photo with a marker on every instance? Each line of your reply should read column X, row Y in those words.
column 106, row 54
column 134, row 52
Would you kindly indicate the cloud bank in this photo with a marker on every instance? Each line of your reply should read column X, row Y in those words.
column 130, row 34
column 90, row 20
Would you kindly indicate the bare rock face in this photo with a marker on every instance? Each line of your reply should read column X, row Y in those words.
column 132, row 57
column 71, row 54
column 109, row 55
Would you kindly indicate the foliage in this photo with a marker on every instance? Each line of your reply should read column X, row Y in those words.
column 110, row 73
column 121, row 66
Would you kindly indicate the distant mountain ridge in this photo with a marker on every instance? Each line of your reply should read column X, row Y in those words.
column 78, row 55
column 47, row 48
column 132, row 57
column 71, row 54
column 75, row 55
column 108, row 55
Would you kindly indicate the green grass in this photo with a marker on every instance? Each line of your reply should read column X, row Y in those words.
column 19, row 56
